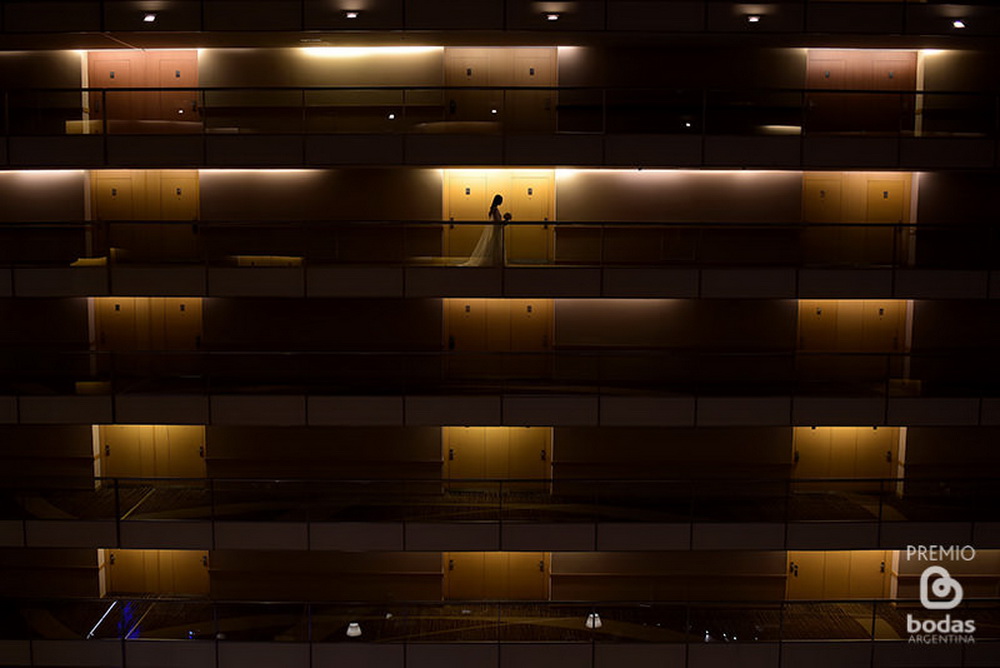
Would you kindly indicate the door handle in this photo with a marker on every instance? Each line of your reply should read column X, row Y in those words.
column 451, row 454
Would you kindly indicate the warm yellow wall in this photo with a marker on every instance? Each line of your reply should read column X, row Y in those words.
column 839, row 574
column 151, row 451
column 319, row 67
column 172, row 572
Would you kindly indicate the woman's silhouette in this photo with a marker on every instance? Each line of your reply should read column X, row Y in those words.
column 488, row 249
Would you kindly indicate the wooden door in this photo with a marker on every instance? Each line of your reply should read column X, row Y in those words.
column 465, row 324
column 837, row 575
column 466, row 199
column 530, row 199
column 860, row 70
column 152, row 451
column 874, row 456
column 527, row 576
column 182, row 322
column 470, row 68
column 115, row 323
column 822, row 202
column 148, row 195
column 531, row 332
column 805, row 576
column 179, row 572
column 472, row 576
column 188, row 571
column 822, row 199
column 148, row 323
column 850, row 326
column 885, row 204
column 178, row 194
column 818, row 324
column 883, row 324
column 531, row 110
column 464, row 453
column 464, row 575
column 870, row 573
column 126, row 451
column 885, row 201
column 497, row 453
column 178, row 69
column 529, row 455
column 812, row 449
column 114, row 69
column 115, row 195
column 148, row 112
column 842, row 455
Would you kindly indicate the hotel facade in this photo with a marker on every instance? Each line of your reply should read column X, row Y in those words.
column 279, row 387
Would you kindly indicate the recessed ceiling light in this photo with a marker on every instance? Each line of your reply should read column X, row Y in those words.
column 552, row 17
column 149, row 18
column 392, row 117
column 351, row 14
column 958, row 23
column 753, row 18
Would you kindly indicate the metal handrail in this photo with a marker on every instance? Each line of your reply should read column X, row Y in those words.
column 103, row 619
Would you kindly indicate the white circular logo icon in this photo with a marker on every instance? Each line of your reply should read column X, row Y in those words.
column 943, row 587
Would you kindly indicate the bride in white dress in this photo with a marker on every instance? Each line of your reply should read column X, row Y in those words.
column 488, row 250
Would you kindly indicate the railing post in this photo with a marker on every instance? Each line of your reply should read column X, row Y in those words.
column 603, row 254
column 874, row 620
column 303, row 119
column 881, row 502
column 788, row 507
column 781, row 621
column 604, row 111
column 118, row 515
column 309, row 625
column 211, row 509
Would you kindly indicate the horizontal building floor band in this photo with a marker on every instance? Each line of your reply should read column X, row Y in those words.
column 24, row 18
column 495, row 409
column 550, row 281
column 559, row 513
column 493, row 654
column 396, row 258
column 265, row 151
column 491, row 535
column 512, row 410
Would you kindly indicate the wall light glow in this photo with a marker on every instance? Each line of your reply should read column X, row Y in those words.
column 259, row 171
column 42, row 173
column 362, row 51
column 568, row 172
